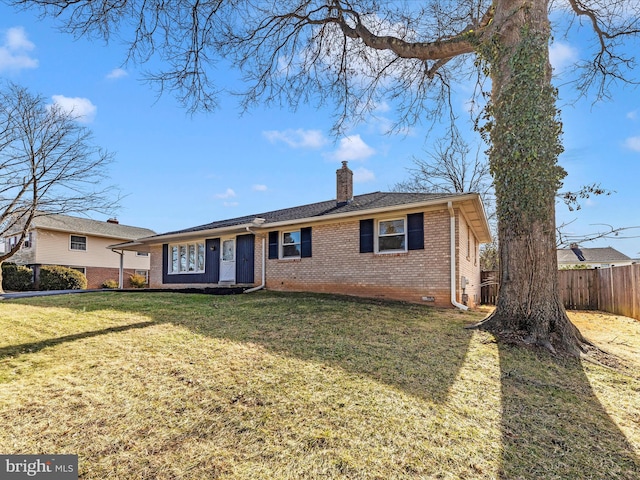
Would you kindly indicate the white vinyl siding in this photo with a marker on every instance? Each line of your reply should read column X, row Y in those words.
column 53, row 248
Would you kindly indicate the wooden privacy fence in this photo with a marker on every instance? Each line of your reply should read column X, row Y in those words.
column 614, row 290
column 489, row 286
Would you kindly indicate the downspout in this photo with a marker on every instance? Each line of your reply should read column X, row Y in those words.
column 121, row 272
column 454, row 301
column 264, row 264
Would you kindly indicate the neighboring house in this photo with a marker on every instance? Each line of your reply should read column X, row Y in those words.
column 82, row 244
column 591, row 258
column 385, row 245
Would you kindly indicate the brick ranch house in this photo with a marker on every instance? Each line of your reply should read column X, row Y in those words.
column 82, row 244
column 417, row 247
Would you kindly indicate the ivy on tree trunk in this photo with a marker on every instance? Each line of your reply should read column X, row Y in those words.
column 524, row 132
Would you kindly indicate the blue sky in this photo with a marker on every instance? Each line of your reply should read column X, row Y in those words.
column 178, row 170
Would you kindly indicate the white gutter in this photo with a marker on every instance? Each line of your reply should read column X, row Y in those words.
column 264, row 264
column 454, row 301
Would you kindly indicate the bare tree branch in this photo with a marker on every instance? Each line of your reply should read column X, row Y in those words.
column 48, row 164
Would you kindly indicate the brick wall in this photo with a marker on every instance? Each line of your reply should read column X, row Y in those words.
column 468, row 263
column 96, row 276
column 155, row 274
column 337, row 266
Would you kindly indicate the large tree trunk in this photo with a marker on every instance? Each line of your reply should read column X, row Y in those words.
column 525, row 144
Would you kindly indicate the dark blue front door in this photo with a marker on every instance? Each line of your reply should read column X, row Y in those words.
column 244, row 258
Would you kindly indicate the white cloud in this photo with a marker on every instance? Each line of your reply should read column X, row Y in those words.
column 14, row 50
column 352, row 148
column 633, row 143
column 561, row 55
column 382, row 107
column 117, row 73
column 299, row 138
column 259, row 188
column 230, row 204
column 362, row 175
column 229, row 193
column 81, row 108
column 633, row 115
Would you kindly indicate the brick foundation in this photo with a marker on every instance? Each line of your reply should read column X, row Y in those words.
column 96, row 276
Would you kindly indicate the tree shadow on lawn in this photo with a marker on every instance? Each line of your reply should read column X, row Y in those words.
column 405, row 346
column 33, row 347
column 553, row 425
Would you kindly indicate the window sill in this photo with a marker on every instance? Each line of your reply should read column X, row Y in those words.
column 392, row 253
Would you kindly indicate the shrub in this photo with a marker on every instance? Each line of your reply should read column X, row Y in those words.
column 61, row 278
column 137, row 281
column 111, row 284
column 16, row 277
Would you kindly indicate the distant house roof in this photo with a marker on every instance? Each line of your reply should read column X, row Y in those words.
column 377, row 201
column 86, row 226
column 592, row 255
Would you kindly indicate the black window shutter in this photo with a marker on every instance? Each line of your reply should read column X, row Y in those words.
column 366, row 235
column 273, row 245
column 415, row 230
column 305, row 242
column 165, row 262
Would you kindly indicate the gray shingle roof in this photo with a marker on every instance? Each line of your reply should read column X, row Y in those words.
column 369, row 201
column 86, row 226
column 596, row 255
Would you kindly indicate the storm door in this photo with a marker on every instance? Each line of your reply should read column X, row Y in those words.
column 228, row 260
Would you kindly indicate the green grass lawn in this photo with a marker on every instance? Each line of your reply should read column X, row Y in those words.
column 293, row 386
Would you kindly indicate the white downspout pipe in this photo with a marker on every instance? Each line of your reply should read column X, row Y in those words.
column 454, row 301
column 121, row 272
column 264, row 264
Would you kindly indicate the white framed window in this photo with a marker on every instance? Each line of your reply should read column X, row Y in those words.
column 143, row 273
column 291, row 244
column 28, row 241
column 82, row 270
column 392, row 235
column 78, row 242
column 187, row 257
column 142, row 254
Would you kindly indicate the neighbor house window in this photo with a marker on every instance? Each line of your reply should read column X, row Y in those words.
column 291, row 244
column 78, row 243
column 28, row 241
column 143, row 273
column 186, row 258
column 142, row 254
column 392, row 235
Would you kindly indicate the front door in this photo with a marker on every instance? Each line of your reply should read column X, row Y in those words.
column 228, row 260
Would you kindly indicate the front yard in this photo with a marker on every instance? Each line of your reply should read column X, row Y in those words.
column 286, row 386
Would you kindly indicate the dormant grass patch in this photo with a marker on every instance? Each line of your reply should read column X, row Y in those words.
column 298, row 386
